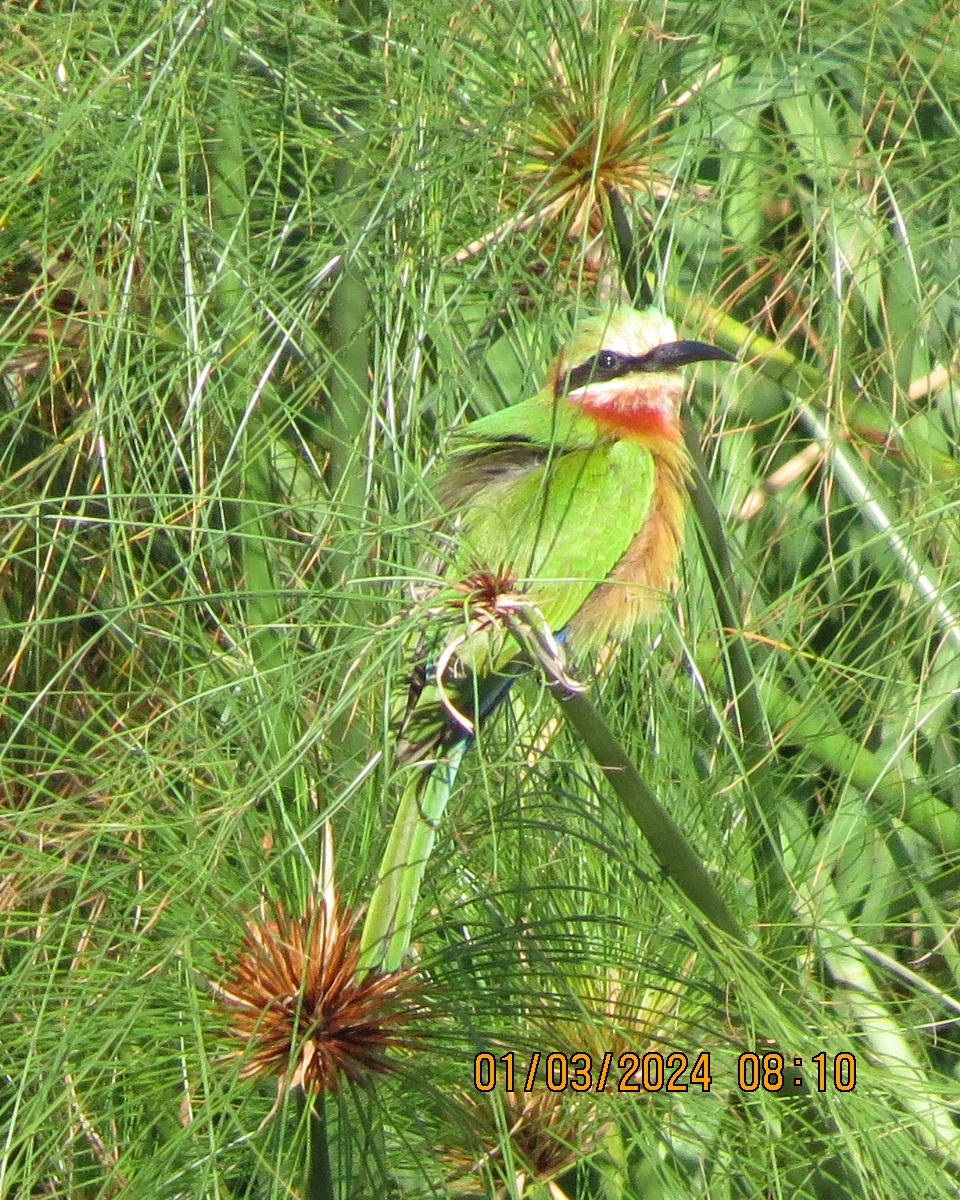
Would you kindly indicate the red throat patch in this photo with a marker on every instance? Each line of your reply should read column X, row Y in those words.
column 640, row 413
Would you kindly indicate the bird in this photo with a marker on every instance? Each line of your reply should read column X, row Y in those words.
column 567, row 513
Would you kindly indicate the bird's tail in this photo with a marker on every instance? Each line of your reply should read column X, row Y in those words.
column 389, row 921
column 430, row 749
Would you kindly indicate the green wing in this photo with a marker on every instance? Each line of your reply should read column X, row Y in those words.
column 562, row 525
column 510, row 443
column 540, row 420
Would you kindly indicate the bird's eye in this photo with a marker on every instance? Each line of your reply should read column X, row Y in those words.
column 603, row 366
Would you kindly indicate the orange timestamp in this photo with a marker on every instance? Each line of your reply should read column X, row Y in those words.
column 653, row 1071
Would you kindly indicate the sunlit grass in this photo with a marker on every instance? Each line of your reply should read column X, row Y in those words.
column 253, row 270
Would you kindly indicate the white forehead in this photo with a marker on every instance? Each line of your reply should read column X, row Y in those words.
column 630, row 332
column 623, row 330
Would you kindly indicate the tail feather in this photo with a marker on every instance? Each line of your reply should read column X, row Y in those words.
column 389, row 921
column 430, row 746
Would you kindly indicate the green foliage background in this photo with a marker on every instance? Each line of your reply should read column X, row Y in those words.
column 257, row 259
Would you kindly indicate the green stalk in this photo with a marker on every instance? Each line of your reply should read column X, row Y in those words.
column 349, row 385
column 773, row 887
column 349, row 379
column 773, row 890
column 349, row 337
column 249, row 468
column 319, row 1185
column 886, row 1037
column 818, row 731
column 670, row 848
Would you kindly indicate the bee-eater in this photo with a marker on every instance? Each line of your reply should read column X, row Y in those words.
column 577, row 496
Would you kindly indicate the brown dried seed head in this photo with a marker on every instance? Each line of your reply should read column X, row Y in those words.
column 484, row 585
column 294, row 999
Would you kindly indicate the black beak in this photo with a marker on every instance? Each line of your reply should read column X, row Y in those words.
column 673, row 355
column 606, row 365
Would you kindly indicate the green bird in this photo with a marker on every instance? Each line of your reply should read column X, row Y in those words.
column 567, row 511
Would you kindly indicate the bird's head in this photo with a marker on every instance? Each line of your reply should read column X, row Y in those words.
column 624, row 369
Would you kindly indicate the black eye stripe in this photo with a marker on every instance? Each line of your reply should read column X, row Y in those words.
column 608, row 364
column 597, row 369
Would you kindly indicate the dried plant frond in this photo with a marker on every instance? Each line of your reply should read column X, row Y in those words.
column 602, row 123
column 50, row 298
column 485, row 596
column 579, row 152
column 485, row 587
column 294, row 998
column 550, row 1132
